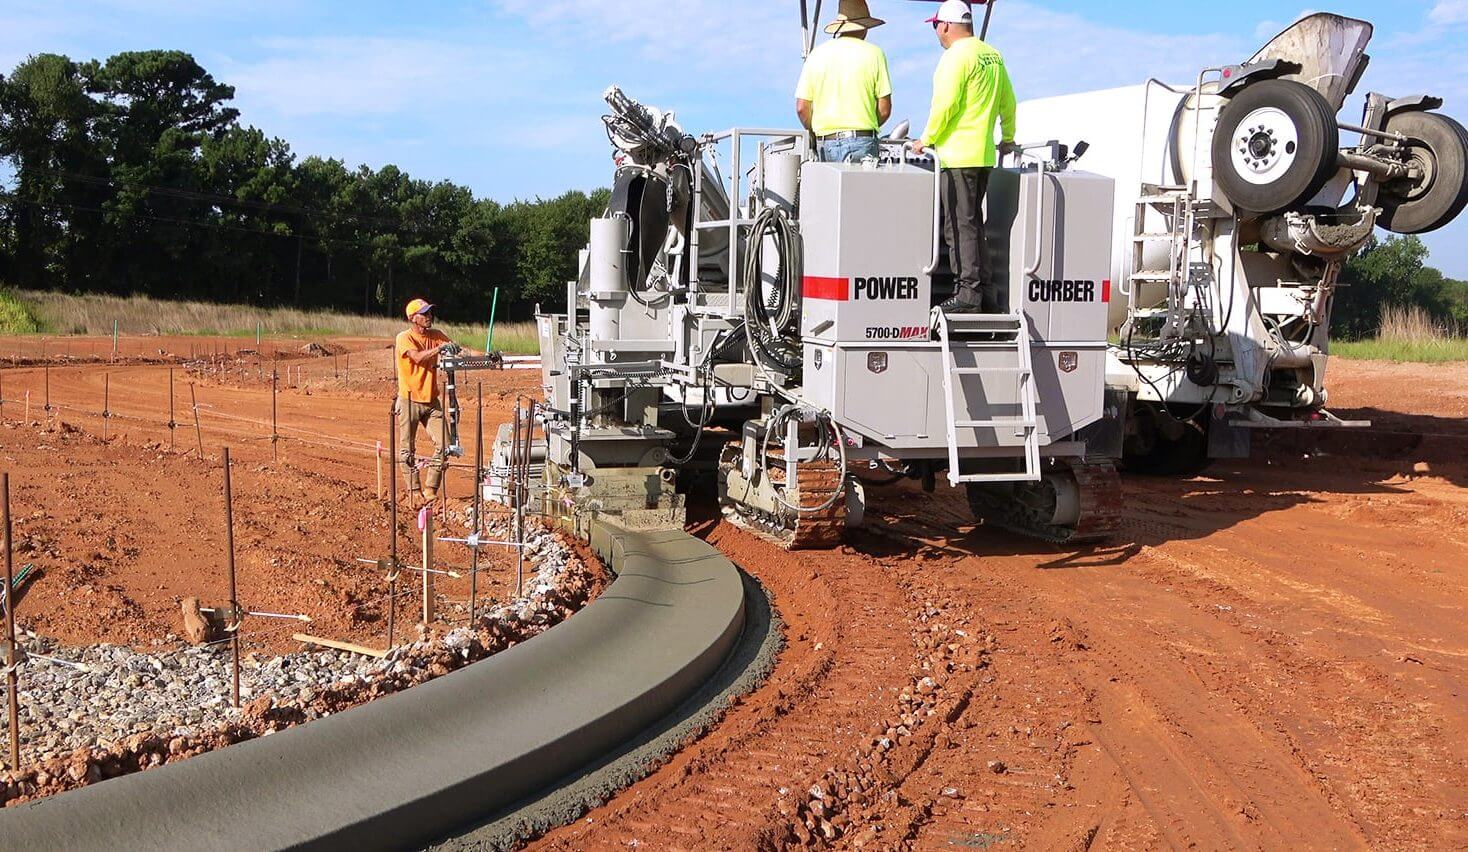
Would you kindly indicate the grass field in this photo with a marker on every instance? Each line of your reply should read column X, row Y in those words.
column 1407, row 334
column 1428, row 352
column 28, row 312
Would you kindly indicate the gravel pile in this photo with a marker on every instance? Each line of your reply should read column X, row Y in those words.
column 104, row 710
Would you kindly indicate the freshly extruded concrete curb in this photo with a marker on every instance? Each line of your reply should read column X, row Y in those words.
column 748, row 666
column 418, row 765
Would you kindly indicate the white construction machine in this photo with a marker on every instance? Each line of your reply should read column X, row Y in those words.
column 748, row 316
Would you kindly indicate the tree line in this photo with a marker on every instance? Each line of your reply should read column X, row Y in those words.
column 1394, row 273
column 134, row 175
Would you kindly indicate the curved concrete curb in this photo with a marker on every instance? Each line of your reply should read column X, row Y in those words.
column 406, row 769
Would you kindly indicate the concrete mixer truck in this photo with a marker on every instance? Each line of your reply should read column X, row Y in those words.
column 1237, row 205
column 749, row 321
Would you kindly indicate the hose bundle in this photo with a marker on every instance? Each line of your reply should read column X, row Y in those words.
column 772, row 325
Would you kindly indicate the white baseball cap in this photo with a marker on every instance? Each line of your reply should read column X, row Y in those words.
column 953, row 12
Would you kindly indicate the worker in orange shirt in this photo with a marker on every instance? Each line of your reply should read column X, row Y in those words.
column 420, row 402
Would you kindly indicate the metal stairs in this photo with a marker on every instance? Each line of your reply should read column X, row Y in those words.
column 1000, row 332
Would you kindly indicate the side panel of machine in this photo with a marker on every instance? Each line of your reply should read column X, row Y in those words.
column 868, row 234
column 1130, row 135
column 893, row 393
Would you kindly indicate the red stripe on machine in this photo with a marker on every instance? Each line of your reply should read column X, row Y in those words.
column 1106, row 291
column 831, row 289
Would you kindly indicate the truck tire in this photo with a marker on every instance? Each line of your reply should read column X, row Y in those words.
column 1275, row 146
column 1438, row 147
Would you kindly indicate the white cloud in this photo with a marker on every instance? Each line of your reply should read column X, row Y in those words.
column 370, row 76
column 1448, row 12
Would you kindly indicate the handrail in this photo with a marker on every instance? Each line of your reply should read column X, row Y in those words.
column 1034, row 268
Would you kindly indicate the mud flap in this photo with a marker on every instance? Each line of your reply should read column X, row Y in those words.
column 1226, row 440
column 1105, row 438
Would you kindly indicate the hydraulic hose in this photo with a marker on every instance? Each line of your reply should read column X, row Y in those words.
column 771, row 328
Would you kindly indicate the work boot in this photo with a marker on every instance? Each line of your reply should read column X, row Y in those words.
column 959, row 305
column 430, row 495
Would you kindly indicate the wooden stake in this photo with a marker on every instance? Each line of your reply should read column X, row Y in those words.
column 198, row 432
column 106, row 401
column 12, row 679
column 339, row 646
column 234, row 598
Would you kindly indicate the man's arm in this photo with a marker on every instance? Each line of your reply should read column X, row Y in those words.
column 884, row 90
column 422, row 357
column 1008, row 108
column 944, row 113
column 803, row 109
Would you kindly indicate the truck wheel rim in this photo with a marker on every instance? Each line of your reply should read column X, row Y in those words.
column 1265, row 146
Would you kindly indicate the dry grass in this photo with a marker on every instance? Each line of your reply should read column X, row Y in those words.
column 61, row 313
column 1409, row 334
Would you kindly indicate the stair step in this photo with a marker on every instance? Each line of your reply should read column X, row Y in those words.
column 995, row 424
column 1143, row 238
column 1157, row 275
column 996, row 477
column 979, row 371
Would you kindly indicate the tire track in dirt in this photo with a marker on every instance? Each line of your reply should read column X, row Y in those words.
column 846, row 641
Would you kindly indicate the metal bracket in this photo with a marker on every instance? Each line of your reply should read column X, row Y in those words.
column 1236, row 77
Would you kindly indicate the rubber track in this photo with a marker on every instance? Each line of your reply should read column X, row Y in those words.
column 411, row 767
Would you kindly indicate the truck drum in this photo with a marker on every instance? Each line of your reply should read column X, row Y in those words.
column 1275, row 146
column 1437, row 147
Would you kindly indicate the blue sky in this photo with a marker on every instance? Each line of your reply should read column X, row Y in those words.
column 504, row 95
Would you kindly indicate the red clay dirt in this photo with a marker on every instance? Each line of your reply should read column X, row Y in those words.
column 1272, row 655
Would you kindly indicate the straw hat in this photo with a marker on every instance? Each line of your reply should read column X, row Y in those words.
column 853, row 16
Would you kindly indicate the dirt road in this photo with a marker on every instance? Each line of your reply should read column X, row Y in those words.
column 1275, row 655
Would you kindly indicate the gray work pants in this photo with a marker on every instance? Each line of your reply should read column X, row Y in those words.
column 429, row 415
column 963, row 230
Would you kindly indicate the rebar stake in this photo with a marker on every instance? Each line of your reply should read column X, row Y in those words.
column 392, row 534
column 172, row 424
column 106, row 402
column 513, row 491
column 478, row 504
column 425, row 522
column 12, row 679
column 234, row 602
column 274, row 432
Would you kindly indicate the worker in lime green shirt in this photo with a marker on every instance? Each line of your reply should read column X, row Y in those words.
column 971, row 93
column 845, row 88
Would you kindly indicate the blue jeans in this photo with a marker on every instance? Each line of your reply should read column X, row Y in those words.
column 852, row 150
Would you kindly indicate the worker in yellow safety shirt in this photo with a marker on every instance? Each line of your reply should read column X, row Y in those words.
column 419, row 402
column 845, row 88
column 971, row 93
